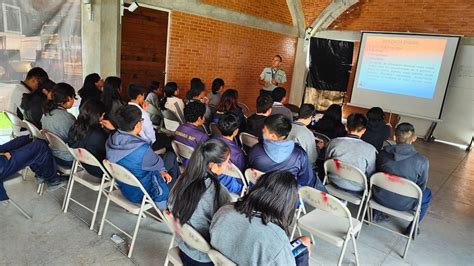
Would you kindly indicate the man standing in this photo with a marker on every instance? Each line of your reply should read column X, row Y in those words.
column 272, row 77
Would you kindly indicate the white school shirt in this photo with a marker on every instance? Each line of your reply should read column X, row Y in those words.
column 148, row 132
column 268, row 74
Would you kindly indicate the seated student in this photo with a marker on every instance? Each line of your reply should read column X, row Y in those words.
column 354, row 151
column 229, row 127
column 57, row 120
column 254, row 230
column 302, row 135
column 377, row 130
column 404, row 161
column 137, row 98
column 111, row 96
column 171, row 101
column 331, row 123
column 127, row 149
column 197, row 195
column 33, row 78
column 198, row 93
column 92, row 88
column 279, row 96
column 23, row 152
column 277, row 153
column 192, row 133
column 229, row 104
column 215, row 95
column 155, row 93
column 88, row 133
column 255, row 122
column 32, row 103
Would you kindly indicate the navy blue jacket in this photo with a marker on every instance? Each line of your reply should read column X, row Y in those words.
column 404, row 161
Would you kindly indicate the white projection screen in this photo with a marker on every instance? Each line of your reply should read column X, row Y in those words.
column 405, row 74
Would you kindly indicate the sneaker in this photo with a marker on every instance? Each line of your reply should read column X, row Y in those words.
column 380, row 217
column 54, row 185
column 39, row 180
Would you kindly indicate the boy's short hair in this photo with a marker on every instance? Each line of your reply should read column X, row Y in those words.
column 279, row 57
column 134, row 91
column 356, row 122
column 404, row 132
column 278, row 94
column 228, row 124
column 193, row 110
column 264, row 102
column 38, row 73
column 127, row 117
column 306, row 111
column 278, row 124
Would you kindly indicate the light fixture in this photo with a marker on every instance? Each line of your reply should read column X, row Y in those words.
column 132, row 7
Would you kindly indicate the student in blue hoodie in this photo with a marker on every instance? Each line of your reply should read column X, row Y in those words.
column 277, row 153
column 126, row 148
column 404, row 161
column 229, row 126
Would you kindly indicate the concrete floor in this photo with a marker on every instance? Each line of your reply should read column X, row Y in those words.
column 55, row 238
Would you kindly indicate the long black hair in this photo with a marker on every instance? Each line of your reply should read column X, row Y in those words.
column 216, row 85
column 273, row 199
column 89, row 84
column 61, row 94
column 111, row 92
column 229, row 101
column 197, row 86
column 169, row 91
column 88, row 118
column 190, row 187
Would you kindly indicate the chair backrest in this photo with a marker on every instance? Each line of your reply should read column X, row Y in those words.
column 121, row 174
column 252, row 175
column 219, row 259
column 34, row 131
column 244, row 107
column 56, row 142
column 325, row 202
column 344, row 170
column 396, row 184
column 321, row 137
column 215, row 131
column 388, row 143
column 84, row 156
column 181, row 149
column 194, row 239
column 170, row 120
column 247, row 139
column 235, row 172
column 16, row 122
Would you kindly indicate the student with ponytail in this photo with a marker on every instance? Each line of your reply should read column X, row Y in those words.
column 197, row 195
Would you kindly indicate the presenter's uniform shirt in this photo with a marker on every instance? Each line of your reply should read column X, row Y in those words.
column 269, row 73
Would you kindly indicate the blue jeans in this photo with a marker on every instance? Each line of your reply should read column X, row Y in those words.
column 26, row 152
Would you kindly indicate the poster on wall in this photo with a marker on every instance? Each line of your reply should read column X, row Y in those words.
column 43, row 33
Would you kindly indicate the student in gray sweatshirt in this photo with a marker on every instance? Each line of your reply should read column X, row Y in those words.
column 354, row 151
column 302, row 135
column 254, row 230
column 198, row 194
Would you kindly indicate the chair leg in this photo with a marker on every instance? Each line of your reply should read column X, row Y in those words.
column 354, row 244
column 68, row 187
column 413, row 225
column 27, row 216
column 24, row 173
column 293, row 231
column 68, row 195
column 167, row 260
column 135, row 232
column 94, row 216
column 104, row 215
column 344, row 246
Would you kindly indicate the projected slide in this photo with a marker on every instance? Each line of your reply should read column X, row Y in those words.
column 401, row 65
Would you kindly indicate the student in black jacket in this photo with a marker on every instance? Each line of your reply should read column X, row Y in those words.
column 331, row 123
column 377, row 131
column 32, row 103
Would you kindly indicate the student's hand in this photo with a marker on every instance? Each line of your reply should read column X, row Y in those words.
column 205, row 100
column 6, row 155
column 145, row 105
column 166, row 177
column 107, row 124
column 274, row 82
column 307, row 242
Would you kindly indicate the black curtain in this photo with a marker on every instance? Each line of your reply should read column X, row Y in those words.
column 330, row 64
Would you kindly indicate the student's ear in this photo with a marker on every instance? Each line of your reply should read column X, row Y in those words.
column 363, row 131
column 283, row 100
column 269, row 111
column 414, row 138
column 236, row 131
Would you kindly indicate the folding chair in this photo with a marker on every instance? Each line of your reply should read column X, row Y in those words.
column 170, row 120
column 400, row 186
column 173, row 252
column 219, row 259
column 330, row 221
column 17, row 124
column 34, row 131
column 114, row 194
column 321, row 137
column 84, row 178
column 349, row 172
column 245, row 109
column 252, row 175
column 19, row 208
column 182, row 151
column 235, row 172
column 56, row 143
column 247, row 140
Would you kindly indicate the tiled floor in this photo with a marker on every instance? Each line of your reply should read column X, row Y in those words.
column 54, row 238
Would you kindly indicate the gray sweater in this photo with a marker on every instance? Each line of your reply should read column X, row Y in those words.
column 353, row 151
column 58, row 122
column 302, row 135
column 249, row 243
column 201, row 219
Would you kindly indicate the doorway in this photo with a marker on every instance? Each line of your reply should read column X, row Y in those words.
column 144, row 46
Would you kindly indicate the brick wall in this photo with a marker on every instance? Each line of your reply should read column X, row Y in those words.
column 312, row 9
column 143, row 54
column 206, row 48
column 276, row 10
column 440, row 16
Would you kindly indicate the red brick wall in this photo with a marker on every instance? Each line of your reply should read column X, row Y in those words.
column 440, row 16
column 276, row 10
column 206, row 48
column 143, row 54
column 312, row 9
